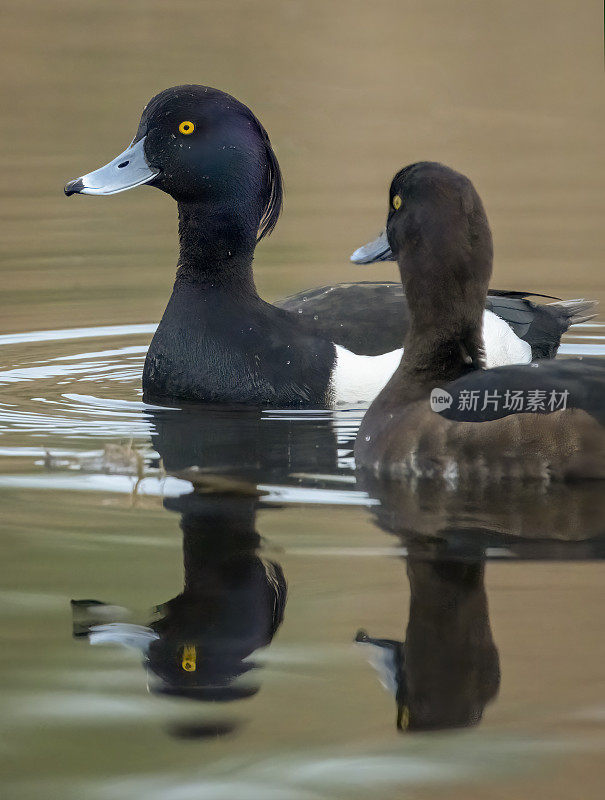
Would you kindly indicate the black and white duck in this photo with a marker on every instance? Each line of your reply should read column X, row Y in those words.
column 218, row 341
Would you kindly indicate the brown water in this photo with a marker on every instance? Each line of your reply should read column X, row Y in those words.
column 92, row 482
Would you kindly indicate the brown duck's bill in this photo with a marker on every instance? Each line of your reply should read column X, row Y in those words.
column 378, row 250
column 126, row 171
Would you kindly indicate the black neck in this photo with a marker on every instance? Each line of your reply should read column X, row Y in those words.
column 217, row 246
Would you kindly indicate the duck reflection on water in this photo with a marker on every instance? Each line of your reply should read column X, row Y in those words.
column 447, row 669
column 232, row 603
column 550, row 521
column 200, row 644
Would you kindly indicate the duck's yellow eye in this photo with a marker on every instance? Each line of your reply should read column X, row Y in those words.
column 396, row 202
column 186, row 127
column 188, row 659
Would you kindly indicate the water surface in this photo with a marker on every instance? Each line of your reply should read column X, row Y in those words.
column 236, row 552
column 241, row 542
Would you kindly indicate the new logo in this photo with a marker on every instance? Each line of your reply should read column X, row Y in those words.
column 440, row 400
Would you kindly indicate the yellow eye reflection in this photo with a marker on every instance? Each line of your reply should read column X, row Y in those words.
column 188, row 659
column 403, row 713
column 397, row 202
column 186, row 127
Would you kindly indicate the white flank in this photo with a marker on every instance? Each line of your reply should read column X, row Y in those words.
column 358, row 379
column 502, row 345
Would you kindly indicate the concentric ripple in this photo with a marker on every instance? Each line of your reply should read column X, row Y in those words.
column 66, row 395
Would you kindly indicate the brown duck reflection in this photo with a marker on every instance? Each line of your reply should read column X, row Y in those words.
column 447, row 669
column 545, row 521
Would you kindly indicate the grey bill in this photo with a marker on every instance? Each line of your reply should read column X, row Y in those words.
column 378, row 250
column 126, row 171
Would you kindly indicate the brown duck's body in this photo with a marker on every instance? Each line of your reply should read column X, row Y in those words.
column 417, row 442
column 439, row 233
column 402, row 436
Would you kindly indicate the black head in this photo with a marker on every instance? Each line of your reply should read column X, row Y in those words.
column 198, row 144
column 438, row 232
column 209, row 146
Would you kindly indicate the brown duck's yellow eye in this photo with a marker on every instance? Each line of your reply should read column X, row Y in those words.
column 186, row 127
column 396, row 202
